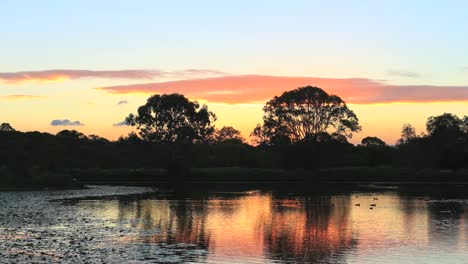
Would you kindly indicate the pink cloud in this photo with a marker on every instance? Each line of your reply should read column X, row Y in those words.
column 61, row 75
column 21, row 97
column 260, row 88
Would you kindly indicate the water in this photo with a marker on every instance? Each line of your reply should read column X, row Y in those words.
column 237, row 224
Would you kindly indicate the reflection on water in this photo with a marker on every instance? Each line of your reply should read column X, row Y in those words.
column 266, row 225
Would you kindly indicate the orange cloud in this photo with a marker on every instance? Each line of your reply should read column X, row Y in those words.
column 63, row 75
column 260, row 88
column 21, row 97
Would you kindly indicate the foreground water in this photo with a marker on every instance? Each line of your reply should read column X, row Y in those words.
column 236, row 224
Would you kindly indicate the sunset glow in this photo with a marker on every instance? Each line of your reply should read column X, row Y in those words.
column 233, row 58
column 227, row 132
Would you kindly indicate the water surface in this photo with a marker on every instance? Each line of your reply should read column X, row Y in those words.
column 237, row 224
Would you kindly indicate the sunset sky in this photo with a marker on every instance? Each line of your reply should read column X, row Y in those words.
column 85, row 65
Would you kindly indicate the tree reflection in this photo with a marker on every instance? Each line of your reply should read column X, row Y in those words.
column 446, row 220
column 302, row 227
column 309, row 230
column 254, row 224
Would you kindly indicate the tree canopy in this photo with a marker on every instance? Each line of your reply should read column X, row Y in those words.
column 6, row 127
column 72, row 135
column 172, row 118
column 447, row 129
column 372, row 141
column 407, row 133
column 446, row 125
column 228, row 134
column 305, row 114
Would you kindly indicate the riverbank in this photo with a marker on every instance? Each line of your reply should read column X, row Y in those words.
column 63, row 179
column 236, row 174
column 31, row 179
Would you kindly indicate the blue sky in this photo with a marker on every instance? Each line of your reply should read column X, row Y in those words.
column 319, row 38
column 394, row 42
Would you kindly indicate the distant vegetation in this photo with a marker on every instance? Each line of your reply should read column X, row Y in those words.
column 304, row 129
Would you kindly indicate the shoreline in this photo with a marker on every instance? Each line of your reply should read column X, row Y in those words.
column 261, row 175
column 239, row 175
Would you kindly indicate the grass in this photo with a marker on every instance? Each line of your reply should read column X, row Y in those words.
column 237, row 174
column 390, row 174
column 119, row 175
column 35, row 178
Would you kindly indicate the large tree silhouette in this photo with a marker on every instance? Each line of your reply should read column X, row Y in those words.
column 305, row 114
column 172, row 118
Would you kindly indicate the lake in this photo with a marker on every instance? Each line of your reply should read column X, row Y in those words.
column 227, row 223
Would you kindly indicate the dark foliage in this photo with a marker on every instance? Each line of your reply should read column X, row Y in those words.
column 228, row 134
column 6, row 127
column 305, row 114
column 172, row 118
column 303, row 129
column 372, row 142
column 408, row 133
column 445, row 146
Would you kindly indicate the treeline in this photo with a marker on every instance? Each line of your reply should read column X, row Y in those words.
column 72, row 149
column 302, row 129
column 440, row 148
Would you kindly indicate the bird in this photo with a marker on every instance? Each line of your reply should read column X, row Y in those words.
column 373, row 205
column 371, row 208
column 358, row 204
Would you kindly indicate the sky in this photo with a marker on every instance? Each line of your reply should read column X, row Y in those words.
column 86, row 65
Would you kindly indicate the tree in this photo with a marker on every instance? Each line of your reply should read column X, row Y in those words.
column 228, row 134
column 72, row 135
column 407, row 133
column 131, row 138
column 97, row 139
column 448, row 137
column 262, row 135
column 464, row 125
column 305, row 114
column 172, row 118
column 6, row 127
column 372, row 141
column 444, row 125
column 375, row 150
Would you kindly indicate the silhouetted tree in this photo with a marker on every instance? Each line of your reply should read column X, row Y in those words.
column 305, row 114
column 97, row 139
column 407, row 133
column 376, row 151
column 71, row 135
column 448, row 138
column 464, row 124
column 172, row 118
column 228, row 134
column 372, row 141
column 131, row 138
column 262, row 135
column 445, row 125
column 445, row 145
column 6, row 127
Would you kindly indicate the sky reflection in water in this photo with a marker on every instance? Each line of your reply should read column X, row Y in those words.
column 258, row 226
